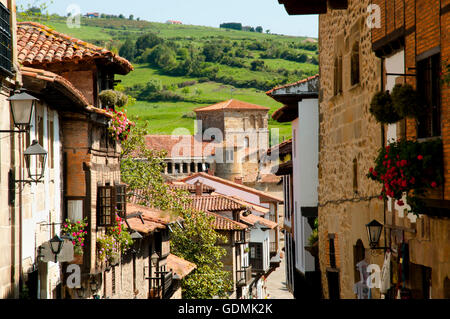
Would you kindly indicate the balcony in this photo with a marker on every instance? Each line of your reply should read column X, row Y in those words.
column 244, row 276
column 160, row 285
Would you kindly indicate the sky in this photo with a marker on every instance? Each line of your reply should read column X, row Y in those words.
column 266, row 13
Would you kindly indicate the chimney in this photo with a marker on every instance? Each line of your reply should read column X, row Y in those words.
column 198, row 188
column 238, row 180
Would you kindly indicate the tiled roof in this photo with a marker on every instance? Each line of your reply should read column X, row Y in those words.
column 292, row 84
column 263, row 195
column 152, row 214
column 179, row 266
column 54, row 78
column 224, row 223
column 39, row 45
column 214, row 203
column 232, row 105
column 191, row 188
column 252, row 219
column 180, row 145
column 250, row 206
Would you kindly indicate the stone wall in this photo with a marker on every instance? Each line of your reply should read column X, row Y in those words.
column 349, row 140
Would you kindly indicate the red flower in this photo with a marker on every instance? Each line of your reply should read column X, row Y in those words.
column 386, row 156
column 420, row 157
column 400, row 203
column 433, row 184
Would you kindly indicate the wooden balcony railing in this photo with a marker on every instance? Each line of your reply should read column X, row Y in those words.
column 160, row 285
column 244, row 276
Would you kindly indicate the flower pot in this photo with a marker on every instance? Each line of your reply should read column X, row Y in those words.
column 77, row 259
column 313, row 250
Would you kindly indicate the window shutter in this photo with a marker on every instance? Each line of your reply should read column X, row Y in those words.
column 5, row 40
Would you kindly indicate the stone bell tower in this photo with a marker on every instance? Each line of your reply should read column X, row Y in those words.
column 240, row 130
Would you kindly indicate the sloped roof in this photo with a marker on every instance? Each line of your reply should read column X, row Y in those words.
column 224, row 223
column 232, row 105
column 263, row 195
column 270, row 92
column 180, row 266
column 191, row 188
column 183, row 146
column 38, row 44
column 252, row 219
column 38, row 74
column 214, row 203
column 152, row 214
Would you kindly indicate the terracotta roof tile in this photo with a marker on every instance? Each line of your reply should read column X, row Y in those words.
column 263, row 195
column 224, row 223
column 191, row 188
column 184, row 146
column 214, row 203
column 179, row 266
column 38, row 44
column 252, row 219
column 232, row 105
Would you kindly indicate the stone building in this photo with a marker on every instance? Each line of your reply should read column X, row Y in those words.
column 349, row 139
column 240, row 131
column 412, row 41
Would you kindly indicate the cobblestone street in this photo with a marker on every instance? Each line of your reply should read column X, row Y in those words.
column 276, row 282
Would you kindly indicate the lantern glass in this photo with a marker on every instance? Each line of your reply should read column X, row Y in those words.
column 374, row 232
column 22, row 106
column 36, row 169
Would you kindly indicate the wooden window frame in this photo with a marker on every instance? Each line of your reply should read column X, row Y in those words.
column 6, row 44
column 429, row 87
column 107, row 204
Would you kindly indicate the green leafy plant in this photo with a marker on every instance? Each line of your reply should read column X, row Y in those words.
column 382, row 108
column 408, row 167
column 407, row 102
column 115, row 242
column 77, row 230
column 314, row 237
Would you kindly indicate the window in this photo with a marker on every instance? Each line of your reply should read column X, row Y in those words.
column 5, row 40
column 338, row 75
column 332, row 252
column 428, row 87
column 111, row 199
column 246, row 142
column 355, row 176
column 355, row 75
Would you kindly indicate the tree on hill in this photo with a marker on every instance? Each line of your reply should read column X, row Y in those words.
column 147, row 41
column 259, row 29
column 128, row 50
column 212, row 52
column 232, row 25
column 257, row 65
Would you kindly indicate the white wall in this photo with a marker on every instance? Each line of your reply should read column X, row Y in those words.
column 305, row 151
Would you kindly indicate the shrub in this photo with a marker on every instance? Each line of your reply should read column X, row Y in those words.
column 382, row 108
column 108, row 98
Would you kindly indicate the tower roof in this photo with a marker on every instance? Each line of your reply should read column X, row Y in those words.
column 232, row 105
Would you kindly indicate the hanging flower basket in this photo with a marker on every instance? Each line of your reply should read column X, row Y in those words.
column 408, row 167
column 382, row 108
column 77, row 230
column 119, row 127
column 77, row 259
column 407, row 102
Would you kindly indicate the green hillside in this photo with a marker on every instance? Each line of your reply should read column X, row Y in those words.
column 181, row 67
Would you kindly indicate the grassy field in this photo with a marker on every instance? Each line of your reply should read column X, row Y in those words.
column 165, row 117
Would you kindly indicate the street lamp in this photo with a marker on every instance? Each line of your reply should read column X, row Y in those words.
column 374, row 232
column 22, row 106
column 56, row 244
column 35, row 172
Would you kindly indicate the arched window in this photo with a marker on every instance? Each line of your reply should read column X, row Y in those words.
column 359, row 253
column 260, row 121
column 355, row 76
column 246, row 142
